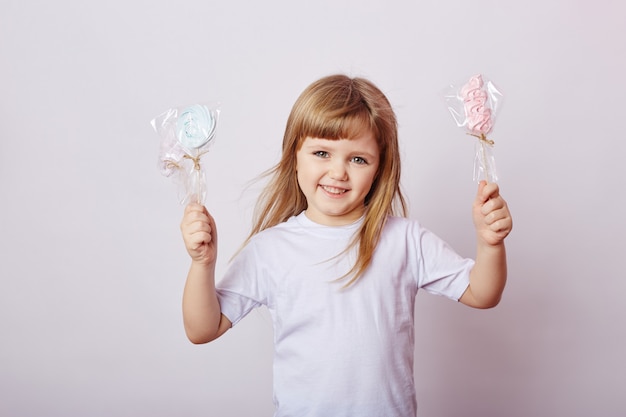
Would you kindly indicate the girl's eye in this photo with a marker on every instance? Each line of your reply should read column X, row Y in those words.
column 359, row 160
column 321, row 154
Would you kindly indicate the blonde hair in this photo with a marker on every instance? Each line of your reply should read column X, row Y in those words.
column 337, row 107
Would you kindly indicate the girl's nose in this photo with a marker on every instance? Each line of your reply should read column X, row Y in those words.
column 338, row 172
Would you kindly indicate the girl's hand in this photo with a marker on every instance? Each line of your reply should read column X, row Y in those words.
column 491, row 215
column 199, row 234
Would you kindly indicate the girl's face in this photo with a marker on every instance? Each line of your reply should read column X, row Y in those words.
column 335, row 176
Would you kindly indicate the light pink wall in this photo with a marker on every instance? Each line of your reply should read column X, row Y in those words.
column 93, row 266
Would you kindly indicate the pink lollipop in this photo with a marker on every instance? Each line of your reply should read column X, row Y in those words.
column 473, row 106
column 477, row 112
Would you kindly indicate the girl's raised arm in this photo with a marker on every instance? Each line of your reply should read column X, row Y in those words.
column 201, row 309
column 493, row 223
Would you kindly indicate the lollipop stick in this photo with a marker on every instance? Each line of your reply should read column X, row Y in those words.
column 484, row 158
column 198, row 179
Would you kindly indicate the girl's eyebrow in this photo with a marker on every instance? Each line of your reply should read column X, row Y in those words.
column 317, row 145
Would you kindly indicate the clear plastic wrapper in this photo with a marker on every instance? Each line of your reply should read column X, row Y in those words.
column 474, row 107
column 186, row 135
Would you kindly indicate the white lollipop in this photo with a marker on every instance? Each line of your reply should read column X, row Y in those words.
column 186, row 135
column 195, row 127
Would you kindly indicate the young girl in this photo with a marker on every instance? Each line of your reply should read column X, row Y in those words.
column 337, row 263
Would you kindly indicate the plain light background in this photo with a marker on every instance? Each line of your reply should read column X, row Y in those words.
column 92, row 264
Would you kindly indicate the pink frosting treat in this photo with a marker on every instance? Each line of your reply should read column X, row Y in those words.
column 477, row 112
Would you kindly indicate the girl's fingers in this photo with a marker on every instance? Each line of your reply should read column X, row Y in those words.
column 487, row 191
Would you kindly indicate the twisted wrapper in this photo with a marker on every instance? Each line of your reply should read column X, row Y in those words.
column 474, row 107
column 186, row 135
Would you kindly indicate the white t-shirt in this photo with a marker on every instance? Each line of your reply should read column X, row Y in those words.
column 341, row 351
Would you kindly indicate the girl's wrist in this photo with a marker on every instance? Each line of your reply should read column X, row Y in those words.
column 202, row 266
column 485, row 245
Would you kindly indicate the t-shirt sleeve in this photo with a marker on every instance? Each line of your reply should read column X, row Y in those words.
column 243, row 286
column 442, row 271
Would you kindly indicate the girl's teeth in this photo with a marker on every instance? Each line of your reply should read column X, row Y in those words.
column 333, row 190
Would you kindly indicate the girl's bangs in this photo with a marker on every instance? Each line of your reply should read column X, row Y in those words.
column 326, row 125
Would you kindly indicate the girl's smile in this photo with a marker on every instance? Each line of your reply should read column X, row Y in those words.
column 333, row 190
column 336, row 176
